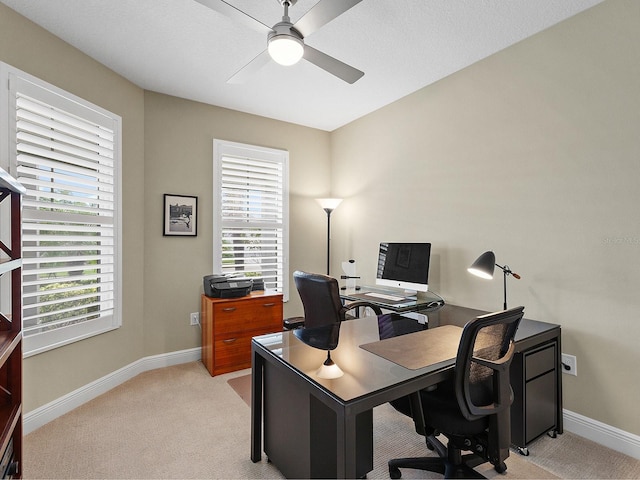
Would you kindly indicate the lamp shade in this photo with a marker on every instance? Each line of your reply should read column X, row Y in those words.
column 484, row 265
column 285, row 49
column 329, row 370
column 329, row 204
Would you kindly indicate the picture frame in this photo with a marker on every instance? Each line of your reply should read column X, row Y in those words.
column 180, row 215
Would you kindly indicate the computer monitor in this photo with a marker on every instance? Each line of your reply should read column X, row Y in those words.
column 404, row 265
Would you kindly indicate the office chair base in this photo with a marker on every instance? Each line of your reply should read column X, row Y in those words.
column 433, row 464
column 450, row 463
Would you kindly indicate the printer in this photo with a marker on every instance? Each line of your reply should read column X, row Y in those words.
column 220, row 285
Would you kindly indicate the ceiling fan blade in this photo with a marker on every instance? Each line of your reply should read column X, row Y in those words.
column 242, row 75
column 332, row 65
column 322, row 13
column 236, row 14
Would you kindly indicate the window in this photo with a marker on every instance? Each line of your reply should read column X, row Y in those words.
column 66, row 152
column 251, row 213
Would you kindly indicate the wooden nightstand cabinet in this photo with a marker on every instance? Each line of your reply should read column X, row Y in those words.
column 228, row 324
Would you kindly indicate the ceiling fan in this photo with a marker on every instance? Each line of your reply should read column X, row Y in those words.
column 285, row 40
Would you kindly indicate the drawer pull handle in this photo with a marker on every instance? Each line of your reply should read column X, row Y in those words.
column 229, row 309
column 269, row 305
column 229, row 341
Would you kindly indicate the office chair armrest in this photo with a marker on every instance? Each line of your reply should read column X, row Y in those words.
column 502, row 364
column 360, row 303
column 499, row 366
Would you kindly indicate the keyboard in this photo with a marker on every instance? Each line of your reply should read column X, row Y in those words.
column 385, row 296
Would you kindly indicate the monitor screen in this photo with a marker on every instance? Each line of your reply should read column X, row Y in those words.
column 404, row 265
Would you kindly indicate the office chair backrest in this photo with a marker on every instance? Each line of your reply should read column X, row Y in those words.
column 485, row 352
column 320, row 297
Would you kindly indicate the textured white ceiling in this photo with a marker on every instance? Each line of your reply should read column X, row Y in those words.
column 182, row 48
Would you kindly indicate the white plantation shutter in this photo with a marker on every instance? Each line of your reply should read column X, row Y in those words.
column 251, row 213
column 67, row 156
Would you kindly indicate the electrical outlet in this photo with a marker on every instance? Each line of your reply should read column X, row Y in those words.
column 569, row 364
column 194, row 318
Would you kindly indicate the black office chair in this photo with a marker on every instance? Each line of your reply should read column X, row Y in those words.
column 472, row 409
column 320, row 295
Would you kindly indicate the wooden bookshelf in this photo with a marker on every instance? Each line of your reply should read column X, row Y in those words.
column 11, row 329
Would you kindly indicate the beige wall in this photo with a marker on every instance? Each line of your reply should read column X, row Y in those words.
column 28, row 47
column 179, row 159
column 532, row 153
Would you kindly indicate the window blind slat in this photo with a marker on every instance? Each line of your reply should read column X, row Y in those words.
column 26, row 116
column 86, row 191
column 84, row 145
column 75, row 171
column 103, row 279
column 73, row 153
column 63, row 118
column 61, row 156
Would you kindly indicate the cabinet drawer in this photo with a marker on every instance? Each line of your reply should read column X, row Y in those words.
column 541, row 406
column 537, row 363
column 248, row 315
column 233, row 351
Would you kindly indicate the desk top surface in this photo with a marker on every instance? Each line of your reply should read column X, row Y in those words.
column 366, row 372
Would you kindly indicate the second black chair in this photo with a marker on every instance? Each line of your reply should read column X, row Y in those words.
column 471, row 410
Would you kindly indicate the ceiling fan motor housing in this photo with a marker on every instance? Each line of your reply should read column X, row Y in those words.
column 282, row 34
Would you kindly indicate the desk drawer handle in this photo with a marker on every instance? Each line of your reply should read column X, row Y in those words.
column 229, row 309
column 229, row 341
column 269, row 305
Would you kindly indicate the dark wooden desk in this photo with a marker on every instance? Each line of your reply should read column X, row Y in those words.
column 316, row 428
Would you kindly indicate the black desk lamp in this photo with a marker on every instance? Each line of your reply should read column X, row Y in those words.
column 329, row 205
column 483, row 267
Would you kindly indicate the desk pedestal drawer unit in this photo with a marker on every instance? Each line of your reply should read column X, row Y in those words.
column 228, row 324
column 535, row 375
column 535, row 379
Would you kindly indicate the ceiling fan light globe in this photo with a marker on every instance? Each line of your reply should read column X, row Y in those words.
column 285, row 49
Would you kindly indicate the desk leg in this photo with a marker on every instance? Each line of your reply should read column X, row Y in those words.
column 354, row 444
column 256, row 406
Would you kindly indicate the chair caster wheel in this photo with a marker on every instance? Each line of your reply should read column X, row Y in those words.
column 394, row 473
column 501, row 467
column 524, row 451
column 430, row 447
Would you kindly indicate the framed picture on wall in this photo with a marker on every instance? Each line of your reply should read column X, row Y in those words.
column 180, row 215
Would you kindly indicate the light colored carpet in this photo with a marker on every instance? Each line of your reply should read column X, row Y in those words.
column 179, row 422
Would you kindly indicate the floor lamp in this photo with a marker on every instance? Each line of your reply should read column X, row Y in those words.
column 483, row 267
column 329, row 205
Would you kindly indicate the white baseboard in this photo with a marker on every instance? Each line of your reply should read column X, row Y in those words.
column 52, row 410
column 611, row 437
column 593, row 430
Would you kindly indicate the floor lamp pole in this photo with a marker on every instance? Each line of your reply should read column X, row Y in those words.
column 328, row 205
column 328, row 210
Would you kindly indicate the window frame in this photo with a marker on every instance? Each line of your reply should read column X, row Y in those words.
column 222, row 148
column 19, row 82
